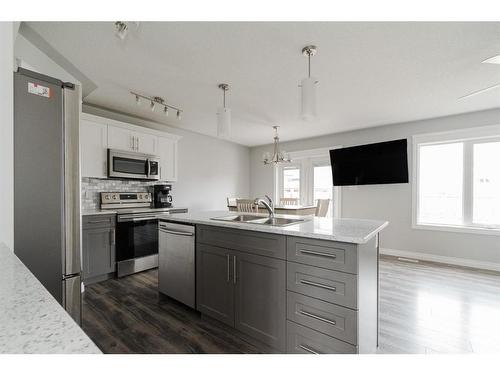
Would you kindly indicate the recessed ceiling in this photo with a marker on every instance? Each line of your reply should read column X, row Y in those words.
column 369, row 73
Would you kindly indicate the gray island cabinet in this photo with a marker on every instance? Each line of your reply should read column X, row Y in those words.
column 305, row 288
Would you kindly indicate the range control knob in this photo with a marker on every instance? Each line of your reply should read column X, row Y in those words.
column 106, row 197
column 114, row 196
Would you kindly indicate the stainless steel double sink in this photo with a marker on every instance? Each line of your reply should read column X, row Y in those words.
column 263, row 220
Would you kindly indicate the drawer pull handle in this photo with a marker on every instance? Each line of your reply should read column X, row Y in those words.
column 312, row 283
column 98, row 221
column 318, row 253
column 305, row 313
column 308, row 349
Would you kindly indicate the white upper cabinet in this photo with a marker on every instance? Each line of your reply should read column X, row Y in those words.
column 167, row 150
column 97, row 134
column 128, row 140
column 146, row 143
column 93, row 149
column 121, row 139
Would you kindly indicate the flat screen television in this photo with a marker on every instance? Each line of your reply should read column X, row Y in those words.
column 376, row 163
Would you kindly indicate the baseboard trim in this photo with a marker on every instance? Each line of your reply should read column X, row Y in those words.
column 463, row 262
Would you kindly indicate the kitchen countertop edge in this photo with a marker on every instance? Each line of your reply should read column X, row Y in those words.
column 31, row 320
column 341, row 230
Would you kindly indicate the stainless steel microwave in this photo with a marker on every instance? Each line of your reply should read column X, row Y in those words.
column 123, row 164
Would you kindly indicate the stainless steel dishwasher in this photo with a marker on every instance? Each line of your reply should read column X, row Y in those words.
column 176, row 262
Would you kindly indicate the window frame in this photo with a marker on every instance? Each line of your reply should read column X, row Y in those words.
column 306, row 160
column 469, row 137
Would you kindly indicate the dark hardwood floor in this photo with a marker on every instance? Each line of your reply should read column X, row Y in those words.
column 127, row 316
column 424, row 308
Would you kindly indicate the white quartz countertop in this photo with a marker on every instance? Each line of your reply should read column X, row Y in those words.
column 357, row 231
column 31, row 320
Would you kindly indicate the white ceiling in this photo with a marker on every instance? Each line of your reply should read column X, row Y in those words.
column 369, row 73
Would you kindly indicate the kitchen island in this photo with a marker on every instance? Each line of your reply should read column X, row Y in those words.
column 310, row 287
column 31, row 320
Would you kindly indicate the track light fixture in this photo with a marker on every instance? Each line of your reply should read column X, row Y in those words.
column 157, row 101
column 121, row 29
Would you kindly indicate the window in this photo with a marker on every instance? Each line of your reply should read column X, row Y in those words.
column 323, row 185
column 291, row 182
column 308, row 178
column 457, row 180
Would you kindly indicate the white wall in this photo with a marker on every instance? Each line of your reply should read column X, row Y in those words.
column 6, row 133
column 209, row 169
column 393, row 202
column 30, row 57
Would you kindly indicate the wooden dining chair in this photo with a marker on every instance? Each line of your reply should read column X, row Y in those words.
column 322, row 207
column 231, row 201
column 289, row 201
column 246, row 205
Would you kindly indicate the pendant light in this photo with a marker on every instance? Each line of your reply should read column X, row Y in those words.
column 308, row 88
column 223, row 115
column 278, row 156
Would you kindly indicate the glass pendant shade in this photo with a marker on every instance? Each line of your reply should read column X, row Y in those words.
column 308, row 91
column 223, row 122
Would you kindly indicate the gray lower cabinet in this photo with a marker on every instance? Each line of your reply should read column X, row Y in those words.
column 260, row 298
column 98, row 248
column 243, row 290
column 214, row 283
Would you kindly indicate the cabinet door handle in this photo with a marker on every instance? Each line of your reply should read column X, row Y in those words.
column 132, row 141
column 97, row 221
column 228, row 266
column 113, row 237
column 319, row 285
column 137, row 143
column 234, row 269
column 308, row 349
column 314, row 316
column 318, row 253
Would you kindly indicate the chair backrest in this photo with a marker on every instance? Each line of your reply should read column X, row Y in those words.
column 231, row 201
column 322, row 207
column 289, row 201
column 245, row 205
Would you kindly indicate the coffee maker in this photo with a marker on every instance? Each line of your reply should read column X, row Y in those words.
column 161, row 195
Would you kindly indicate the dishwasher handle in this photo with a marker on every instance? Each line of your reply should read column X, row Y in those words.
column 176, row 233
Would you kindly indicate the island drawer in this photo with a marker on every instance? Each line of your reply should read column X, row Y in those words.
column 303, row 340
column 338, row 256
column 98, row 221
column 330, row 319
column 330, row 286
column 258, row 243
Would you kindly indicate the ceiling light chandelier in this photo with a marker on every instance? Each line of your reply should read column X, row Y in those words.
column 308, row 87
column 278, row 156
column 156, row 100
column 223, row 115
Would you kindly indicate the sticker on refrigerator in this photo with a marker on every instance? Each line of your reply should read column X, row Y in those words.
column 36, row 89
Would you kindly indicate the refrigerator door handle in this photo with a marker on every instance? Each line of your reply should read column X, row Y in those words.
column 72, row 298
column 72, row 243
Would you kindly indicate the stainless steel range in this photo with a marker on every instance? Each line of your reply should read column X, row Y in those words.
column 136, row 231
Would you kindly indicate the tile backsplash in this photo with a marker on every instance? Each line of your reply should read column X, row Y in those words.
column 91, row 187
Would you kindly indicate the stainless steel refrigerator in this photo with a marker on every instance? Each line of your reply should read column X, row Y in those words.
column 47, row 184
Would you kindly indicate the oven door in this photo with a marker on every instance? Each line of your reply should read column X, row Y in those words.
column 122, row 164
column 136, row 236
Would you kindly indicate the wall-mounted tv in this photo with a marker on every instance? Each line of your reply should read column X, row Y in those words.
column 376, row 163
